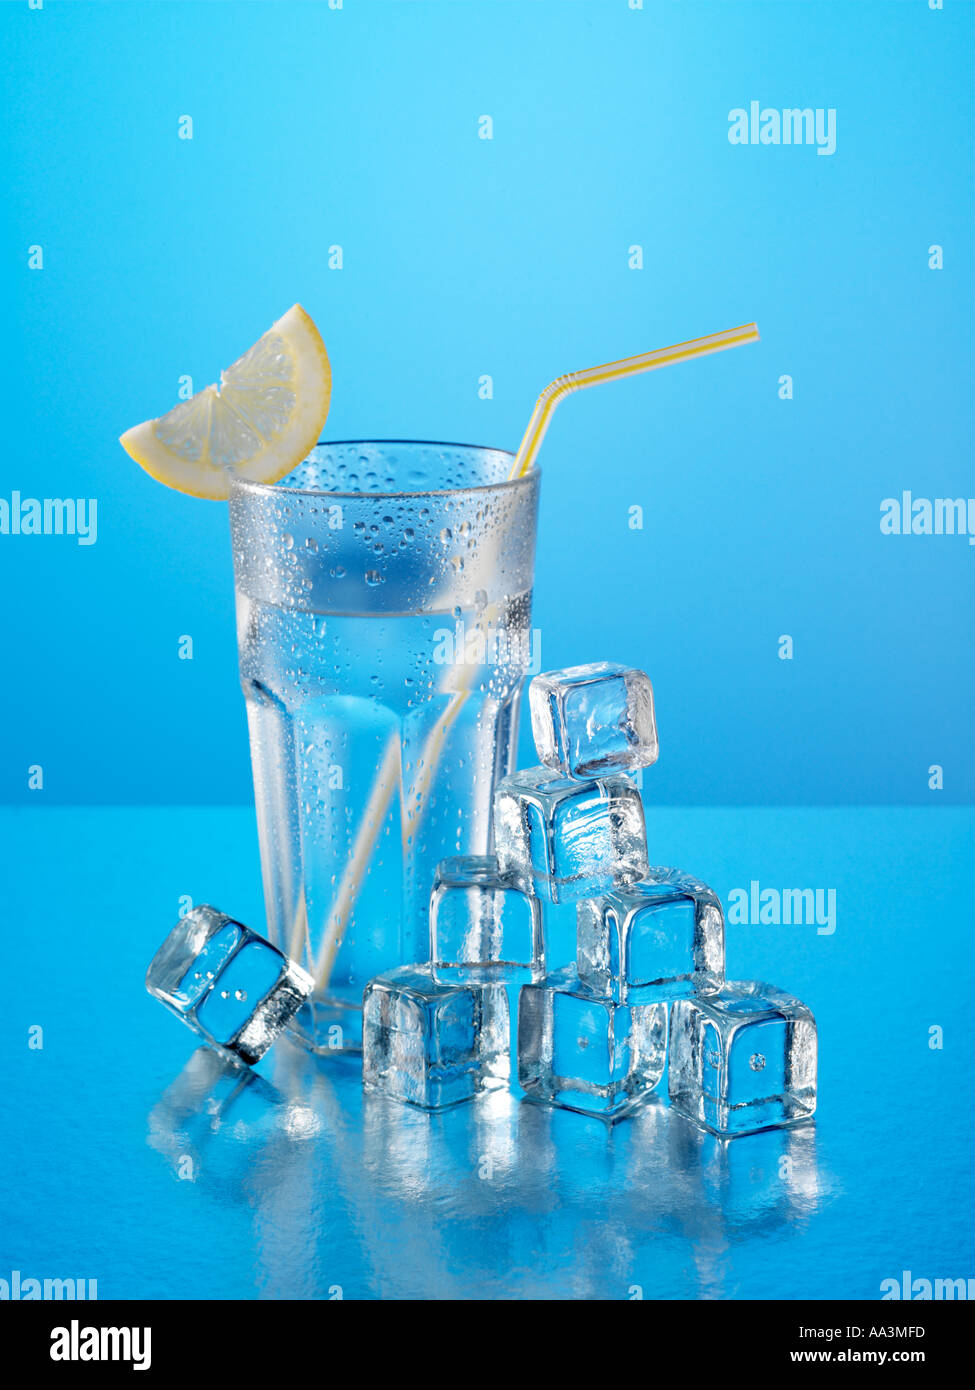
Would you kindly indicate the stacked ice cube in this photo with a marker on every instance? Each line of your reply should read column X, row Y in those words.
column 647, row 993
column 441, row 1032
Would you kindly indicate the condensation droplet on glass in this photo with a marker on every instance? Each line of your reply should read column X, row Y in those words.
column 373, row 577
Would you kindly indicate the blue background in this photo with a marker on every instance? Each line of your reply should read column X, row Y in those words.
column 464, row 257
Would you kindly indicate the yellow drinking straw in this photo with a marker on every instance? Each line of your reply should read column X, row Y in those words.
column 389, row 772
column 563, row 386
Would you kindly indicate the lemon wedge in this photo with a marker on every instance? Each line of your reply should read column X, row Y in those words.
column 259, row 423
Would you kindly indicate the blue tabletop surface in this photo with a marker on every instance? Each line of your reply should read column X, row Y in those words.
column 132, row 1157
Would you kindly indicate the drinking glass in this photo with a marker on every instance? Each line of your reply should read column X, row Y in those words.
column 383, row 599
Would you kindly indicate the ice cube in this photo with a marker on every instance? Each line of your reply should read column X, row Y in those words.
column 478, row 915
column 562, row 840
column 227, row 983
column 559, row 932
column 661, row 938
column 590, row 720
column 433, row 1042
column 743, row 1059
column 484, row 930
column 584, row 1052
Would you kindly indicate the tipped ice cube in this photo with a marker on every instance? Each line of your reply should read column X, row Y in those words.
column 743, row 1059
column 660, row 938
column 227, row 983
column 591, row 720
column 562, row 840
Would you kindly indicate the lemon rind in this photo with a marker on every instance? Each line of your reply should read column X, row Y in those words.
column 312, row 387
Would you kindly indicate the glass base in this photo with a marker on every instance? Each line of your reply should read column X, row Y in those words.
column 329, row 1024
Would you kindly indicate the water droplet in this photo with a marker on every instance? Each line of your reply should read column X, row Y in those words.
column 311, row 543
column 225, row 994
column 373, row 577
column 446, row 535
column 756, row 1061
column 337, row 572
column 287, row 540
column 240, row 995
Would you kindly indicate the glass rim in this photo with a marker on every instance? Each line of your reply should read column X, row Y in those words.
column 275, row 489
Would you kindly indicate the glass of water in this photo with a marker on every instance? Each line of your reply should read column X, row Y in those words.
column 384, row 628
